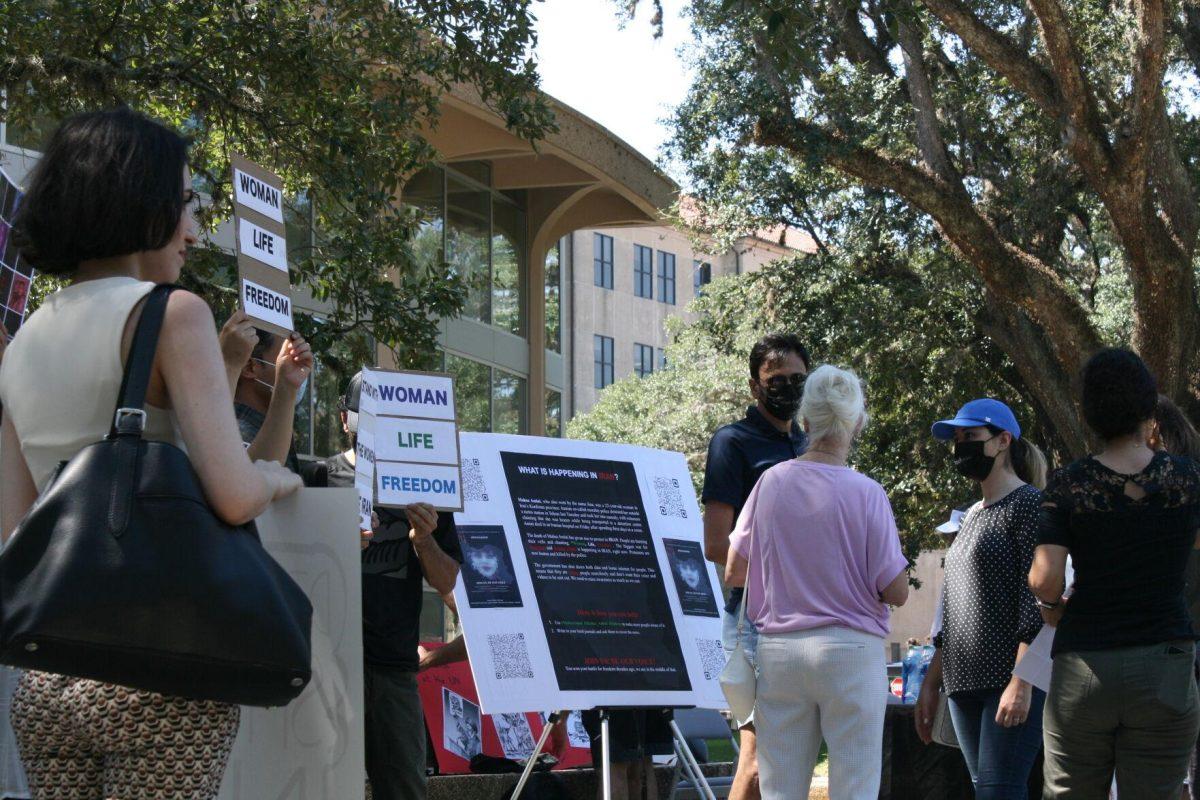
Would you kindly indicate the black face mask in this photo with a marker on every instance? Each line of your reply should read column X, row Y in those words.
column 970, row 460
column 782, row 398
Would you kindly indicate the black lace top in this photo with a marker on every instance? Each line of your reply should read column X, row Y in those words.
column 1129, row 537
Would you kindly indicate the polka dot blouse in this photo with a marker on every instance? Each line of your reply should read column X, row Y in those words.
column 988, row 606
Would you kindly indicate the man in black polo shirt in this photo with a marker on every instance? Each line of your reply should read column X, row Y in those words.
column 737, row 455
column 406, row 548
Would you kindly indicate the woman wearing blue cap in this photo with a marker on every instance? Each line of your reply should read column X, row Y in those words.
column 990, row 615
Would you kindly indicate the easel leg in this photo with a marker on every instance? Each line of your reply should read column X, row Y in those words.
column 537, row 750
column 605, row 758
column 690, row 764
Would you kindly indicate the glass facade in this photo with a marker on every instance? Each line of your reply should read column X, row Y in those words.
column 472, row 391
column 554, row 413
column 469, row 242
column 508, row 402
column 482, row 234
column 553, row 295
column 508, row 265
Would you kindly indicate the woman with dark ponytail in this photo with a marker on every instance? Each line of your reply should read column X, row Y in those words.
column 989, row 615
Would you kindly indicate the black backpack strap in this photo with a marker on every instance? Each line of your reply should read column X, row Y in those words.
column 129, row 419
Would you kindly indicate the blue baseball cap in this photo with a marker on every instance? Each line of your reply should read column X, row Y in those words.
column 977, row 413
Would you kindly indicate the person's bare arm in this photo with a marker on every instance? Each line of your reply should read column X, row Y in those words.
column 718, row 522
column 17, row 489
column 927, row 700
column 191, row 373
column 441, row 571
column 450, row 653
column 896, row 592
column 274, row 439
column 1047, row 575
column 735, row 569
column 237, row 339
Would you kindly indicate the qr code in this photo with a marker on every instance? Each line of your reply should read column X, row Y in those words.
column 510, row 656
column 474, row 489
column 670, row 499
column 712, row 658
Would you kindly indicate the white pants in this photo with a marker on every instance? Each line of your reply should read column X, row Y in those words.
column 826, row 683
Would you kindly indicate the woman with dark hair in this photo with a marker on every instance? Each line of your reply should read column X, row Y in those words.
column 1173, row 432
column 989, row 615
column 1122, row 695
column 108, row 203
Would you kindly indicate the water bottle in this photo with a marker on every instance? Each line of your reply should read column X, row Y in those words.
column 912, row 674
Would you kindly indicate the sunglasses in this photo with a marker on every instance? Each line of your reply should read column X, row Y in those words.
column 780, row 381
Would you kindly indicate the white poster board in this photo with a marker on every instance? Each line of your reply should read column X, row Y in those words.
column 314, row 746
column 584, row 582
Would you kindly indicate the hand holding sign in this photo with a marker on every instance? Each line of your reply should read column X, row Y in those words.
column 295, row 362
column 237, row 339
column 423, row 519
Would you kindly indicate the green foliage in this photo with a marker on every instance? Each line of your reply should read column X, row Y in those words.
column 332, row 96
column 838, row 79
column 901, row 318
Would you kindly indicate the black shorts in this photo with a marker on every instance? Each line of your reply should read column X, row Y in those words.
column 632, row 735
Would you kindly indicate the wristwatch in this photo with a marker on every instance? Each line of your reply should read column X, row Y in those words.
column 1043, row 604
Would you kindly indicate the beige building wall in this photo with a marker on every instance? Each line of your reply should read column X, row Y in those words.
column 628, row 319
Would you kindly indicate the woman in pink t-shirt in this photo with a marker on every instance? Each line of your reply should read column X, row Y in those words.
column 817, row 548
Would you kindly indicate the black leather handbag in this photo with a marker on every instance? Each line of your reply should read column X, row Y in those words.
column 122, row 573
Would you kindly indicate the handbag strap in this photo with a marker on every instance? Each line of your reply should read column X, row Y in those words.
column 744, row 617
column 129, row 419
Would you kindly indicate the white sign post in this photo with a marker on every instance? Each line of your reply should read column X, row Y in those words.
column 313, row 747
column 584, row 582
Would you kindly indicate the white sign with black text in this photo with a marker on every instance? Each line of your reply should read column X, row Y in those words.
column 262, row 245
column 263, row 303
column 258, row 195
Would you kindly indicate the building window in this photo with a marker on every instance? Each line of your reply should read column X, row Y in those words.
column 701, row 276
column 553, row 413
column 603, row 346
column 554, row 299
column 643, row 271
column 643, row 359
column 602, row 261
column 508, row 265
column 482, row 239
column 469, row 242
column 666, row 277
column 508, row 402
column 472, row 392
column 662, row 358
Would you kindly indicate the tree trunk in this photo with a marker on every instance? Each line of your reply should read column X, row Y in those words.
column 1054, row 390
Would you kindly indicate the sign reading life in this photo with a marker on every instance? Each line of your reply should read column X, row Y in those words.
column 414, row 437
column 265, row 291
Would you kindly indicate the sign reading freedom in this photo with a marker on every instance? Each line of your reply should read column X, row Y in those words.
column 595, row 573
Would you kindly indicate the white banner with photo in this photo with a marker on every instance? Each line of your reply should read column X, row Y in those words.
column 584, row 581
